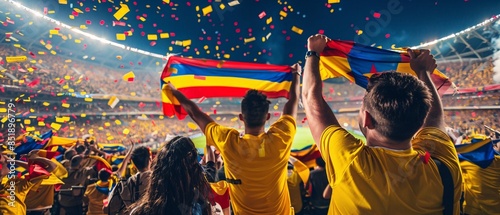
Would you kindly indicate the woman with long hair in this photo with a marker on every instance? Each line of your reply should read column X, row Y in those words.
column 177, row 185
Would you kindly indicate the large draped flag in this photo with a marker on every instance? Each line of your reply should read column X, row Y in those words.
column 357, row 63
column 197, row 78
column 30, row 143
column 479, row 152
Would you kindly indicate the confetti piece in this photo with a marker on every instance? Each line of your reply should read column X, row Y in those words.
column 376, row 15
column 233, row 3
column 113, row 101
column 54, row 31
column 13, row 59
column 333, row 1
column 297, row 30
column 248, row 40
column 121, row 12
column 164, row 35
column 63, row 1
column 192, row 126
column 55, row 126
column 129, row 76
column 262, row 14
column 186, row 43
column 88, row 99
column 269, row 20
column 83, row 115
column 126, row 131
column 120, row 36
column 118, row 122
column 41, row 124
column 65, row 105
column 206, row 10
column 152, row 37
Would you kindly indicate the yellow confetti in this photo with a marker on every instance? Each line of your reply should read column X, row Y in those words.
column 269, row 20
column 222, row 6
column 283, row 13
column 152, row 37
column 41, row 123
column 192, row 126
column 164, row 35
column 186, row 43
column 206, row 10
column 248, row 40
column 83, row 115
column 65, row 105
column 333, row 1
column 30, row 128
column 13, row 59
column 121, row 12
column 126, row 131
column 55, row 126
column 54, row 31
column 297, row 30
column 118, row 122
column 88, row 99
column 46, row 104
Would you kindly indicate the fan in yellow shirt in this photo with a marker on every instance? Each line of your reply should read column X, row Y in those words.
column 481, row 187
column 14, row 189
column 256, row 161
column 393, row 173
column 97, row 192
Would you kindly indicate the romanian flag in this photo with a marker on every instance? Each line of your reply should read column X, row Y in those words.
column 197, row 78
column 479, row 152
column 357, row 63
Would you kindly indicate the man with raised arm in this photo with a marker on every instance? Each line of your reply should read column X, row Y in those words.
column 402, row 120
column 255, row 161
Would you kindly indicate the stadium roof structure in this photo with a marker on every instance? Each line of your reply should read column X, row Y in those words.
column 472, row 43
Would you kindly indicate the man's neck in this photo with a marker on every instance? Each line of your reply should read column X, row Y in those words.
column 381, row 141
column 254, row 131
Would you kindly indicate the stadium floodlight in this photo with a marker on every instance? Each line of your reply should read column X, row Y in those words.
column 466, row 31
column 85, row 34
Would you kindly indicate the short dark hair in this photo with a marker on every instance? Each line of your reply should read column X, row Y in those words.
column 140, row 157
column 320, row 162
column 398, row 104
column 104, row 174
column 255, row 108
column 80, row 149
column 68, row 154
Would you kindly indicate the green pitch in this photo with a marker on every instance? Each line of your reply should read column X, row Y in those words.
column 302, row 139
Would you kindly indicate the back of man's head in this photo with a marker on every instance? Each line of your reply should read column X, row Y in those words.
column 255, row 108
column 104, row 174
column 69, row 154
column 398, row 104
column 140, row 157
column 80, row 149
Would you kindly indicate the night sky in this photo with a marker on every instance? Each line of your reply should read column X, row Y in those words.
column 401, row 22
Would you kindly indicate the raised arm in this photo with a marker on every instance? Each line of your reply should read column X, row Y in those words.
column 121, row 171
column 291, row 107
column 423, row 65
column 198, row 116
column 319, row 115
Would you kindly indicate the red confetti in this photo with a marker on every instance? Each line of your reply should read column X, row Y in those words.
column 376, row 15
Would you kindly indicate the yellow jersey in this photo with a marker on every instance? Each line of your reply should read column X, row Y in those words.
column 13, row 194
column 481, row 188
column 377, row 180
column 95, row 200
column 259, row 163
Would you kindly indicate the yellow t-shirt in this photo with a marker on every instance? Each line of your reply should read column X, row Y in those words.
column 95, row 200
column 42, row 198
column 260, row 162
column 481, row 188
column 376, row 180
column 9, row 206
